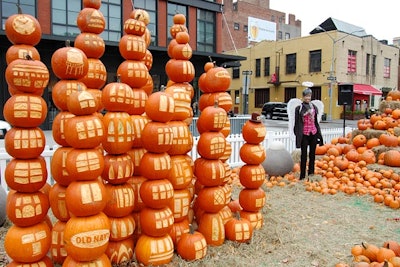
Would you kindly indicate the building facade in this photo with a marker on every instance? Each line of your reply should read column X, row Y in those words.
column 58, row 23
column 275, row 71
column 235, row 28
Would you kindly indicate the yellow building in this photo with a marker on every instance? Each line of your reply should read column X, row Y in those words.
column 331, row 60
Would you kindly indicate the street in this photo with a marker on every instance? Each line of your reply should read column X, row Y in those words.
column 282, row 125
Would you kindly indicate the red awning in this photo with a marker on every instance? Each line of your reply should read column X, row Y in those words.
column 365, row 89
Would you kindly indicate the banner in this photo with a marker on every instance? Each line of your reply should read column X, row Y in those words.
column 260, row 30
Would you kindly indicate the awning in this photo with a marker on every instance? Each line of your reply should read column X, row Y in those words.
column 365, row 89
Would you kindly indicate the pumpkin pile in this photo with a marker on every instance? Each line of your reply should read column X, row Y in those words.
column 213, row 191
column 368, row 254
column 252, row 174
column 190, row 245
column 28, row 239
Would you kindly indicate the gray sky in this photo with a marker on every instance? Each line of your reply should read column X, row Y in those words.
column 379, row 18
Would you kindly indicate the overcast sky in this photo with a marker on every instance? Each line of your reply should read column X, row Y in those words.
column 380, row 19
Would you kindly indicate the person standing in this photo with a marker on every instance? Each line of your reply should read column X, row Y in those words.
column 307, row 132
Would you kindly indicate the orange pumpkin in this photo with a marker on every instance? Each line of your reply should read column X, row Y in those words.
column 20, row 51
column 69, row 63
column 91, row 20
column 91, row 44
column 23, row 29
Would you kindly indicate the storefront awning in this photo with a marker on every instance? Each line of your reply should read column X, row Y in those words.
column 365, row 89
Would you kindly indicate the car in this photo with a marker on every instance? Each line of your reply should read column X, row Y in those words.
column 4, row 128
column 275, row 110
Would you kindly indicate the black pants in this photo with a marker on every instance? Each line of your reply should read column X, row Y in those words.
column 307, row 141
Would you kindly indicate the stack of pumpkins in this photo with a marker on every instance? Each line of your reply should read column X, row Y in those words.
column 28, row 239
column 252, row 174
column 181, row 175
column 211, row 169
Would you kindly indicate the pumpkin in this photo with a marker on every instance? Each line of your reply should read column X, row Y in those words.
column 27, row 209
column 182, row 96
column 121, row 200
column 178, row 229
column 182, row 51
column 58, row 166
column 182, row 139
column 25, row 110
column 182, row 203
column 26, row 175
column 136, row 154
column 96, row 75
column 224, row 100
column 155, row 166
column 117, row 96
column 392, row 158
column 252, row 199
column 252, row 154
column 256, row 218
column 181, row 173
column 212, row 118
column 25, row 143
column 370, row 251
column 209, row 172
column 252, row 176
column 57, row 202
column 33, row 240
column 150, row 250
column 359, row 140
column 353, row 155
column 394, row 94
column 27, row 75
column 192, row 245
column 393, row 245
column 120, row 251
column 156, row 222
column 211, row 199
column 122, row 227
column 254, row 132
column 132, row 47
column 141, row 15
column 157, row 137
column 86, row 131
column 133, row 26
column 92, row 3
column 69, row 63
column 341, row 162
column 91, row 20
column 118, row 169
column 85, row 164
column 133, row 72
column 85, row 198
column 180, row 70
column 211, row 145
column 388, row 140
column 212, row 227
column 91, row 44
column 217, row 79
column 140, row 97
column 23, row 29
column 81, row 103
column 157, row 194
column 384, row 254
column 57, row 250
column 238, row 229
column 61, row 91
column 20, row 51
column 160, row 107
column 139, row 122
column 86, row 238
column 118, row 137
column 136, row 183
column 102, row 261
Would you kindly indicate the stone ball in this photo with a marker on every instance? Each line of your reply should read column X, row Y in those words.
column 278, row 161
column 3, row 200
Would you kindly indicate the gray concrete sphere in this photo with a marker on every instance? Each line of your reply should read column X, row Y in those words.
column 278, row 161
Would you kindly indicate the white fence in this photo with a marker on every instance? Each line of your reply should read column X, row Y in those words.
column 236, row 141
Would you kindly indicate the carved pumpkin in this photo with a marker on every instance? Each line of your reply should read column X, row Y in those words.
column 25, row 110
column 238, row 229
column 122, row 227
column 252, row 176
column 154, row 251
column 181, row 173
column 86, row 131
column 212, row 119
column 102, row 261
column 133, row 72
column 118, row 169
column 82, row 103
column 91, row 44
column 27, row 209
column 23, row 29
column 96, row 75
column 118, row 137
column 178, row 229
column 182, row 202
column 155, row 165
column 212, row 227
column 211, row 199
column 85, row 164
column 157, row 137
column 57, row 202
column 209, row 172
column 91, row 20
column 160, row 107
column 252, row 154
column 217, row 79
column 256, row 218
column 27, row 75
column 156, row 222
column 136, row 183
column 132, row 47
column 211, row 145
column 180, row 70
column 26, row 176
column 192, row 246
column 20, row 51
column 86, row 238
column 69, row 63
column 134, row 27
column 25, row 143
column 182, row 139
column 117, row 96
column 58, row 166
column 136, row 154
column 252, row 199
column 141, row 15
column 33, row 240
column 139, row 122
column 140, row 97
column 254, row 132
column 157, row 194
column 121, row 200
column 61, row 91
column 224, row 100
column 57, row 250
column 86, row 198
column 120, row 251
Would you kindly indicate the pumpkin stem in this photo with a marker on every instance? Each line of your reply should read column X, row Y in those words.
column 67, row 43
column 191, row 229
column 237, row 215
column 162, row 87
column 216, row 104
column 27, row 56
column 118, row 78
column 19, row 8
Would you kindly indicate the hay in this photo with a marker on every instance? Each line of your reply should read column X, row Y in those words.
column 369, row 133
column 388, row 104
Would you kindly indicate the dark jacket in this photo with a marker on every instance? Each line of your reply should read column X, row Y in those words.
column 299, row 125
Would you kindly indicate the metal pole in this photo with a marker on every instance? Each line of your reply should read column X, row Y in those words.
column 331, row 77
column 344, row 120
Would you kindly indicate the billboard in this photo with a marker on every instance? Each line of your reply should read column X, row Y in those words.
column 260, row 30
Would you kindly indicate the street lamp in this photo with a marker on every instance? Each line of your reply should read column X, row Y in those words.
column 245, row 91
column 331, row 77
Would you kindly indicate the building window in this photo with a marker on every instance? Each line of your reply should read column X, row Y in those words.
column 373, row 67
column 63, row 15
column 236, row 26
column 273, row 18
column 290, row 63
column 245, row 28
column 287, row 36
column 258, row 67
column 352, row 61
column 205, row 31
column 280, row 35
column 235, row 73
column 172, row 10
column 315, row 61
column 290, row 92
column 113, row 15
column 9, row 8
column 368, row 63
column 261, row 96
column 151, row 7
column 386, row 68
column 235, row 5
column 267, row 70
column 237, row 97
